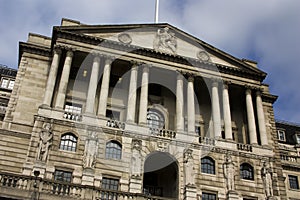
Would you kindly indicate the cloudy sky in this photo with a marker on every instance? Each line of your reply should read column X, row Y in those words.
column 266, row 31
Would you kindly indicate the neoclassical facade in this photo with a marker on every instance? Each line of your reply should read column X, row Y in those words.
column 141, row 111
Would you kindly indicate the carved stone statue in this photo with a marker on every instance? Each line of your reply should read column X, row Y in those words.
column 189, row 168
column 90, row 151
column 266, row 173
column 46, row 137
column 136, row 159
column 165, row 41
column 229, row 171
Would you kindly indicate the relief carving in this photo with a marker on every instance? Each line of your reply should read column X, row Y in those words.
column 229, row 172
column 266, row 173
column 165, row 41
column 136, row 159
column 189, row 168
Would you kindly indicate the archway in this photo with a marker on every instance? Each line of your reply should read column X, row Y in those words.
column 161, row 175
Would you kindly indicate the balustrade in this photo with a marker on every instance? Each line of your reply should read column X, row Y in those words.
column 115, row 124
column 163, row 133
column 288, row 158
column 244, row 147
column 207, row 141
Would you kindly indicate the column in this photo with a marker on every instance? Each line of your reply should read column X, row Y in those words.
column 179, row 104
column 261, row 119
column 104, row 87
column 216, row 115
column 52, row 77
column 144, row 96
column 250, row 117
column 62, row 89
column 131, row 103
column 191, row 105
column 90, row 100
column 227, row 114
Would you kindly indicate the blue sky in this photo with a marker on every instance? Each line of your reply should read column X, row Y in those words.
column 266, row 31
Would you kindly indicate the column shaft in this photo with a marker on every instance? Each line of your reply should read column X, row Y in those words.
column 179, row 104
column 250, row 117
column 261, row 119
column 144, row 96
column 216, row 115
column 62, row 89
column 191, row 106
column 52, row 78
column 90, row 101
column 131, row 103
column 104, row 88
column 227, row 114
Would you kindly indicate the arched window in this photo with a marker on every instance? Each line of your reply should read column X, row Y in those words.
column 246, row 171
column 68, row 142
column 207, row 165
column 155, row 119
column 113, row 150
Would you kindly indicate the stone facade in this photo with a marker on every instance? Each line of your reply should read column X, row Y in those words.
column 137, row 111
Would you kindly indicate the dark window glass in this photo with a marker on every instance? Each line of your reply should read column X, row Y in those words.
column 113, row 150
column 68, row 142
column 207, row 165
column 155, row 119
column 246, row 171
column 293, row 180
column 109, row 184
column 113, row 114
column 208, row 196
column 62, row 176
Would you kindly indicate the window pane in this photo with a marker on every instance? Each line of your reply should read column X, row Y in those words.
column 68, row 142
column 11, row 84
column 208, row 196
column 4, row 83
column 293, row 180
column 207, row 165
column 246, row 171
column 113, row 150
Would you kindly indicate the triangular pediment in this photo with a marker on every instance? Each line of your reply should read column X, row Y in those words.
column 165, row 39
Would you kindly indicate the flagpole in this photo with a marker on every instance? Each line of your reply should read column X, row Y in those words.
column 156, row 11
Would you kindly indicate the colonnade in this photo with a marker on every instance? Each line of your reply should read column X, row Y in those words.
column 132, row 98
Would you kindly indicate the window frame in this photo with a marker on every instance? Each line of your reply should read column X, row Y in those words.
column 208, row 167
column 63, row 172
column 209, row 195
column 68, row 142
column 113, row 152
column 244, row 172
column 280, row 131
column 8, row 85
column 291, row 183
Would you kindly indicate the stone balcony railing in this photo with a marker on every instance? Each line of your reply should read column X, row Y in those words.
column 27, row 187
column 207, row 141
column 115, row 124
column 244, row 147
column 289, row 158
column 163, row 133
column 74, row 116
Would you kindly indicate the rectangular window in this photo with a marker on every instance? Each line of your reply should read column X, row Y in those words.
column 110, row 183
column 63, row 176
column 293, row 180
column 7, row 83
column 298, row 138
column 112, row 114
column 208, row 196
column 281, row 135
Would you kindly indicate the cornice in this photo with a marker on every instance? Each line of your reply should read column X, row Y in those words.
column 269, row 98
column 34, row 49
column 57, row 32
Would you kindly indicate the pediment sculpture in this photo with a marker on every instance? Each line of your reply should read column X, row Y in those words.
column 165, row 41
